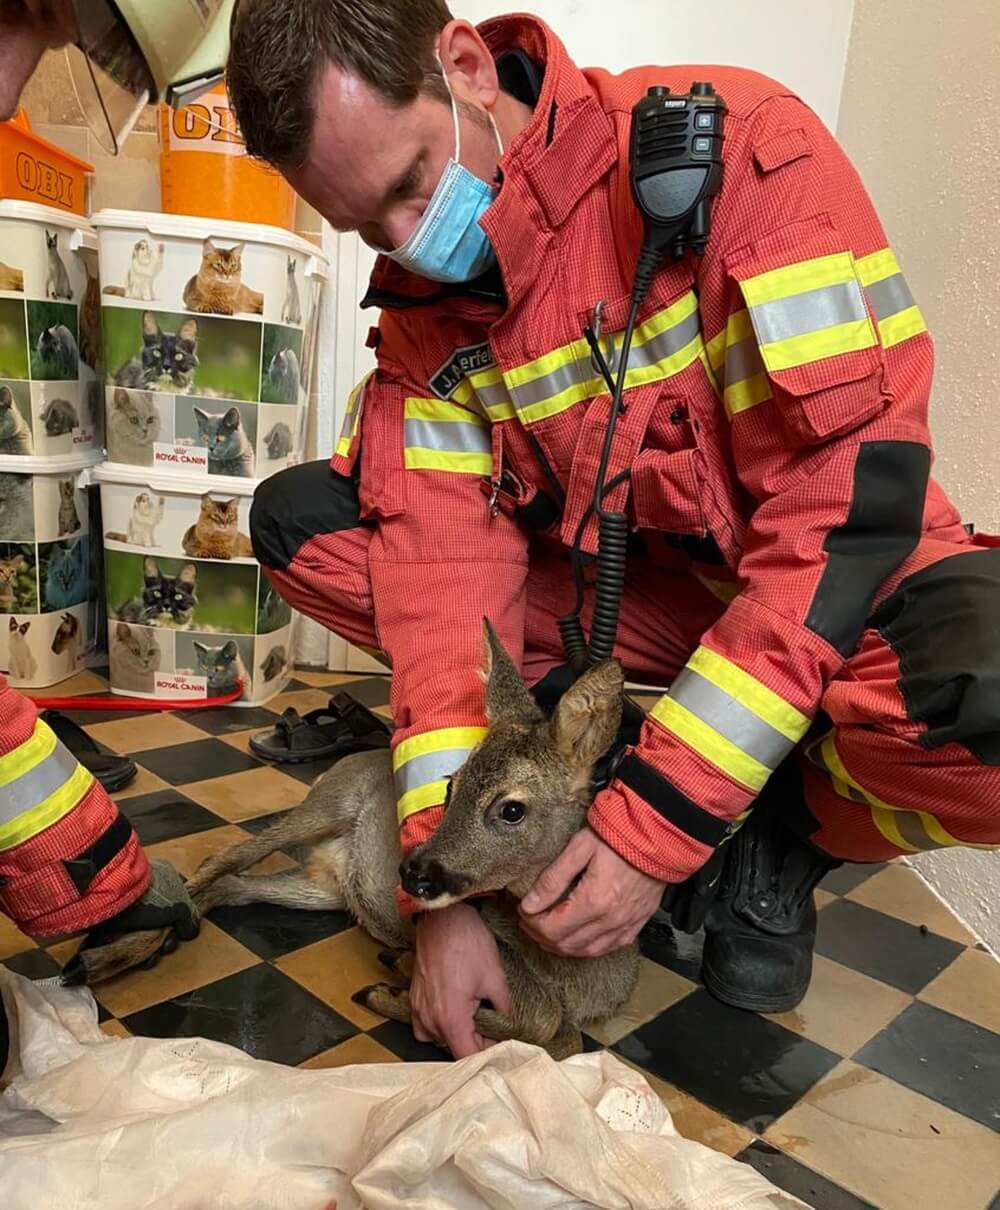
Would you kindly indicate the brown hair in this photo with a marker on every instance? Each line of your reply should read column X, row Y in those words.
column 278, row 47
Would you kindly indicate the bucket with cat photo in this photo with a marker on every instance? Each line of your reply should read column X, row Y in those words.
column 189, row 611
column 49, row 569
column 50, row 333
column 209, row 331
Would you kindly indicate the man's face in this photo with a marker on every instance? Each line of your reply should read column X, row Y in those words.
column 373, row 167
column 27, row 29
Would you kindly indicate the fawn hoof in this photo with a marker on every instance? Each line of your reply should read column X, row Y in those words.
column 389, row 959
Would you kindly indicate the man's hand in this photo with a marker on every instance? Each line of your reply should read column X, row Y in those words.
column 457, row 967
column 605, row 911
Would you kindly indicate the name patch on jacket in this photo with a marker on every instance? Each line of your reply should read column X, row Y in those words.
column 463, row 362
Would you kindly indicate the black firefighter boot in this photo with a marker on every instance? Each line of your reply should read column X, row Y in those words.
column 761, row 926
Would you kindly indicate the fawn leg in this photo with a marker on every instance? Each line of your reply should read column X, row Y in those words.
column 290, row 888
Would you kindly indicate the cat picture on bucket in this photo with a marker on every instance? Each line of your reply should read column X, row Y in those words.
column 52, row 341
column 216, row 534
column 18, row 584
column 17, row 508
column 57, row 283
column 145, row 265
column 281, row 367
column 135, row 656
column 15, row 427
column 166, row 359
column 11, row 279
column 146, row 515
column 23, row 665
column 69, row 518
column 230, row 452
column 66, row 640
column 133, row 426
column 62, row 573
column 217, row 288
column 163, row 599
column 291, row 308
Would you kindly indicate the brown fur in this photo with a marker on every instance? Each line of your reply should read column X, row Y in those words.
column 215, row 534
column 10, row 569
column 90, row 320
column 11, row 279
column 217, row 288
column 346, row 838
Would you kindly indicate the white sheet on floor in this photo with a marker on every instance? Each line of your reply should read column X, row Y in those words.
column 90, row 1121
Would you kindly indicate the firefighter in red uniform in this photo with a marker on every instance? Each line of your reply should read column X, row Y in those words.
column 826, row 623
column 69, row 860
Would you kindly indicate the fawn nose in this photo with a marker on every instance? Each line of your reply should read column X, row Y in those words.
column 429, row 879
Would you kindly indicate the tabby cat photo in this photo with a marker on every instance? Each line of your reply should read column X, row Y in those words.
column 216, row 535
column 140, row 282
column 217, row 288
column 167, row 359
column 11, row 278
column 18, row 589
column 69, row 518
column 17, row 508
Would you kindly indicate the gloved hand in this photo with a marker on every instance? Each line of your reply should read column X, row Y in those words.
column 165, row 905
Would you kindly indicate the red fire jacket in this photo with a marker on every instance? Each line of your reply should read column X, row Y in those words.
column 776, row 429
column 68, row 859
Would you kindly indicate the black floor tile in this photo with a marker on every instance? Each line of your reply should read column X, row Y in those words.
column 271, row 931
column 259, row 1010
column 850, row 875
column 89, row 718
column 33, row 964
column 881, row 946
column 372, row 691
column 995, row 1204
column 591, row 1045
column 750, row 1069
column 681, row 952
column 801, row 1182
column 948, row 1059
column 398, row 1038
column 227, row 719
column 196, row 761
column 165, row 815
column 307, row 772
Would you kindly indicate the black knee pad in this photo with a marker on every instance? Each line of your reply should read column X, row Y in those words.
column 298, row 504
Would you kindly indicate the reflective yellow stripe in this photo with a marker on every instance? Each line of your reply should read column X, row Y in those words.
column 741, row 396
column 26, row 756
column 352, row 418
column 897, row 328
column 739, row 328
column 816, row 274
column 443, row 460
column 49, row 811
column 877, row 266
column 715, row 748
column 456, row 742
column 440, row 410
column 547, row 364
column 716, row 352
column 436, row 741
column 814, row 346
column 750, row 692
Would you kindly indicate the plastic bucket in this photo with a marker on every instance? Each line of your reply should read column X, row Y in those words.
column 50, row 337
column 216, row 618
column 208, row 334
column 34, row 170
column 205, row 171
column 49, row 577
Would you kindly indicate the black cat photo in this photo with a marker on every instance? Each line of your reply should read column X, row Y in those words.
column 163, row 600
column 167, row 360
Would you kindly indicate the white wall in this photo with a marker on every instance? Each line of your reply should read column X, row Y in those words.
column 929, row 151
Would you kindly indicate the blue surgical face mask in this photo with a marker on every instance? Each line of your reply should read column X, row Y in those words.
column 448, row 244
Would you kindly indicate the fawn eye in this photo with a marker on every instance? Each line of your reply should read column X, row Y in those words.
column 512, row 811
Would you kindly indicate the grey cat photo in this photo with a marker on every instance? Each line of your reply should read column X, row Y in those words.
column 59, row 417
column 278, row 442
column 15, row 432
column 283, row 374
column 291, row 310
column 229, row 450
column 57, row 349
column 57, row 284
column 133, row 427
column 17, row 510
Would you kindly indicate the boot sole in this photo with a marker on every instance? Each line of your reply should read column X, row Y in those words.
column 737, row 997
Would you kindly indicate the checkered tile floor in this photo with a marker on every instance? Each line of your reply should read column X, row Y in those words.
column 882, row 1089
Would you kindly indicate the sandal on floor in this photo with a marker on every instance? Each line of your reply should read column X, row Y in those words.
column 340, row 729
column 113, row 772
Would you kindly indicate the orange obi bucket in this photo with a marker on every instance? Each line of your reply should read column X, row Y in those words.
column 34, row 170
column 205, row 171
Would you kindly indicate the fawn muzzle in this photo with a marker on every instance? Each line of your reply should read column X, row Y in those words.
column 426, row 878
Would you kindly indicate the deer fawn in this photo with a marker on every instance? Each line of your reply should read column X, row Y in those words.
column 512, row 808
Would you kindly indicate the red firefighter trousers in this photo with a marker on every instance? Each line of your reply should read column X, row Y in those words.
column 899, row 759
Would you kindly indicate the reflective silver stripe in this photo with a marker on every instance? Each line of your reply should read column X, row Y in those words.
column 581, row 373
column 434, row 766
column 493, row 396
column 811, row 311
column 743, row 361
column 446, row 435
column 730, row 718
column 911, row 828
column 890, row 296
column 37, row 784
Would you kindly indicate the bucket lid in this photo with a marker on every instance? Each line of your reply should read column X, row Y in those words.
column 168, row 481
column 58, row 464
column 33, row 212
column 182, row 226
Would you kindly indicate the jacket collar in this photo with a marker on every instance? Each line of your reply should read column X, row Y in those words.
column 567, row 147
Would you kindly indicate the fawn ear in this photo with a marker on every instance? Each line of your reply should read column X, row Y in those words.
column 588, row 715
column 507, row 696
